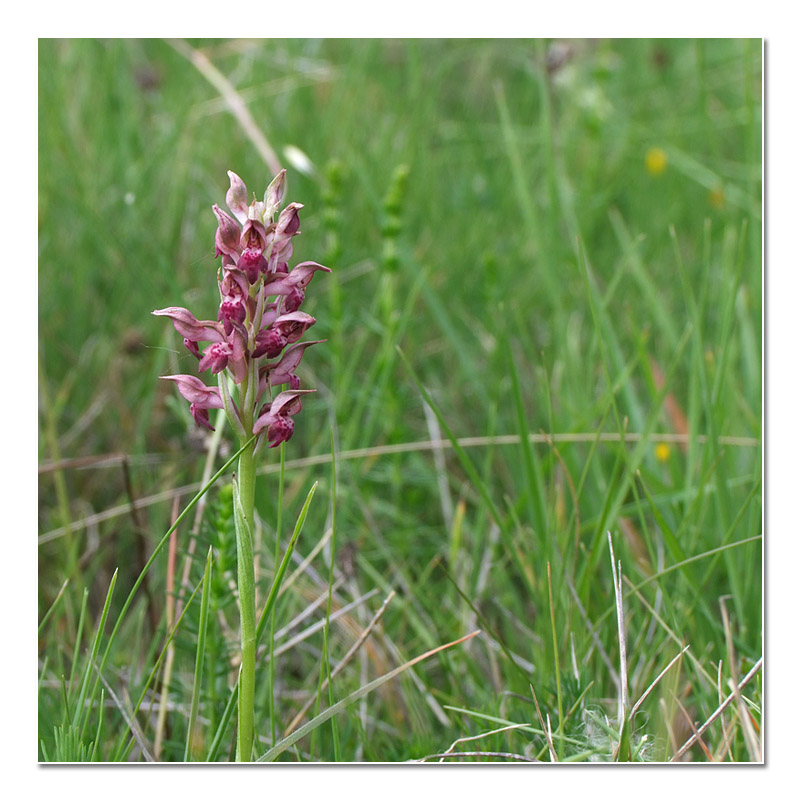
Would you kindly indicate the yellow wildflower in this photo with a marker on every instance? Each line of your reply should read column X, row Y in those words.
column 717, row 198
column 662, row 452
column 655, row 160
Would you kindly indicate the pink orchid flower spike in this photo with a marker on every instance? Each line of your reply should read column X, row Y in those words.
column 258, row 318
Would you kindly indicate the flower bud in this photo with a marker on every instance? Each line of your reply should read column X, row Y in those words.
column 228, row 233
column 289, row 221
column 236, row 197
column 273, row 197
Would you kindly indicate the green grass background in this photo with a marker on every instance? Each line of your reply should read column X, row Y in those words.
column 496, row 238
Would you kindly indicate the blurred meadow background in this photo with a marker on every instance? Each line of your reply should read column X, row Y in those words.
column 544, row 336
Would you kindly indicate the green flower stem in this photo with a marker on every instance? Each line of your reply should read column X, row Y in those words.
column 244, row 499
column 244, row 494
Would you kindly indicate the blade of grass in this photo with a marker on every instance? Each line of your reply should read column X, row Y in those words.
column 623, row 751
column 328, row 678
column 78, row 636
column 343, row 663
column 466, row 463
column 611, row 349
column 363, row 419
column 556, row 665
column 279, row 576
column 198, row 667
column 722, row 706
column 547, row 735
column 714, row 551
column 278, row 528
column 82, row 709
column 165, row 650
column 653, row 294
column 53, row 607
column 290, row 740
column 533, row 473
column 500, row 721
column 234, row 100
column 484, row 622
column 51, row 437
column 100, row 715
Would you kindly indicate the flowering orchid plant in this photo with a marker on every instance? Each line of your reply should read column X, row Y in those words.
column 251, row 328
column 253, row 345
